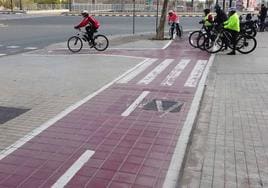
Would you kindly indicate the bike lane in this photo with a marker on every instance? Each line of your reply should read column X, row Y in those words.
column 122, row 136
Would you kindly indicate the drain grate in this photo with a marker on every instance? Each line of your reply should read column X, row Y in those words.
column 163, row 105
column 9, row 113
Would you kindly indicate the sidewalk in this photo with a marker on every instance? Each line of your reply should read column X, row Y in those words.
column 230, row 144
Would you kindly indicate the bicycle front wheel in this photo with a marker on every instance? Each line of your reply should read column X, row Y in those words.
column 213, row 46
column 246, row 44
column 101, row 42
column 74, row 44
column 193, row 37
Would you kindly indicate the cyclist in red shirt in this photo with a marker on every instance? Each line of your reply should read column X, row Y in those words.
column 91, row 24
column 173, row 21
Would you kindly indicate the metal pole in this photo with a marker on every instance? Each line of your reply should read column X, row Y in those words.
column 156, row 22
column 20, row 5
column 134, row 4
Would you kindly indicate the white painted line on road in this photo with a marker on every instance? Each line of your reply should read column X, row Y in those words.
column 134, row 105
column 122, row 48
column 68, row 175
column 13, row 47
column 176, row 164
column 30, row 48
column 3, row 54
column 167, row 45
column 146, row 63
column 159, row 105
column 5, row 152
column 155, row 72
column 196, row 73
column 170, row 79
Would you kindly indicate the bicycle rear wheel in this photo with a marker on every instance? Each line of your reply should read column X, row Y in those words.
column 74, row 44
column 193, row 37
column 101, row 42
column 246, row 44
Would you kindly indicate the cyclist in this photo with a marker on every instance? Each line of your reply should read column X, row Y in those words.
column 262, row 16
column 207, row 21
column 90, row 23
column 220, row 17
column 173, row 21
column 232, row 25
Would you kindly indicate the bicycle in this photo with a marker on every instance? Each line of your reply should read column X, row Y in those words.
column 75, row 43
column 195, row 35
column 245, row 43
column 176, row 30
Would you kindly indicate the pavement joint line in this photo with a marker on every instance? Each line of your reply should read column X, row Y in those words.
column 4, row 153
column 134, row 105
column 176, row 165
column 68, row 175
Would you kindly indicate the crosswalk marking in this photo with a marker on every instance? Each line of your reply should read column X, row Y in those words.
column 196, row 74
column 146, row 63
column 175, row 73
column 12, row 47
column 155, row 72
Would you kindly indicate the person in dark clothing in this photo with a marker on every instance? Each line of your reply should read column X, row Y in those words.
column 262, row 16
column 220, row 17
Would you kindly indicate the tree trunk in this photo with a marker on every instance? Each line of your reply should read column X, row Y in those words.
column 161, row 28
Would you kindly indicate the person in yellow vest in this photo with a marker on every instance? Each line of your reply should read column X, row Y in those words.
column 207, row 21
column 232, row 25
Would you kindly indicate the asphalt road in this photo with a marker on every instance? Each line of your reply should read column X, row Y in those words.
column 16, row 35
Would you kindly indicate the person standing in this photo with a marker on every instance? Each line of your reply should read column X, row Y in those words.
column 232, row 25
column 262, row 16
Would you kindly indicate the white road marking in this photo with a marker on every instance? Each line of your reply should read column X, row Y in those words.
column 155, row 72
column 159, row 105
column 167, row 45
column 170, row 79
column 176, row 164
column 68, row 175
column 30, row 48
column 12, row 47
column 5, row 152
column 196, row 73
column 134, row 105
column 3, row 54
column 146, row 63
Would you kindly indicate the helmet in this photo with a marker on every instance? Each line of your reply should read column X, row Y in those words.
column 217, row 7
column 207, row 10
column 170, row 12
column 84, row 13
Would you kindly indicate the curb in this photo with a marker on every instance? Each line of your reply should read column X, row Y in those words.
column 179, row 157
column 127, row 15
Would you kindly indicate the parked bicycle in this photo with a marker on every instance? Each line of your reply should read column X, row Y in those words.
column 75, row 43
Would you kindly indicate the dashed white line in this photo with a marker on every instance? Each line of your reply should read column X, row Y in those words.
column 134, row 105
column 30, row 48
column 146, row 63
column 3, row 54
column 68, row 175
column 12, row 47
column 196, row 74
column 155, row 72
column 167, row 45
column 170, row 79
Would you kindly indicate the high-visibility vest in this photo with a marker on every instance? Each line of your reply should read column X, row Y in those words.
column 233, row 23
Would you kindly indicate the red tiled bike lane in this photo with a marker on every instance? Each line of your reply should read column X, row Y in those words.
column 124, row 136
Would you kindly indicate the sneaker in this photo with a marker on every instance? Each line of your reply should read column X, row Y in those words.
column 231, row 53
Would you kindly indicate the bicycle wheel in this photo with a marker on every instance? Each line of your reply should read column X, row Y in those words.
column 74, row 44
column 246, row 44
column 213, row 46
column 193, row 37
column 102, row 42
column 201, row 41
